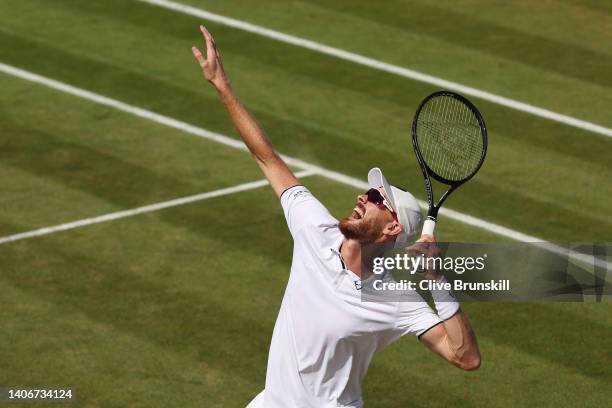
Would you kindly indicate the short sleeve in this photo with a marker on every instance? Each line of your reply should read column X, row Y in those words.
column 416, row 316
column 302, row 208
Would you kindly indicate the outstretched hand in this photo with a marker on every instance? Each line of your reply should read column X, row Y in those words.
column 211, row 65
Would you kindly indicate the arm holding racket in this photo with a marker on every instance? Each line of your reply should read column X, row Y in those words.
column 449, row 138
column 454, row 339
column 268, row 160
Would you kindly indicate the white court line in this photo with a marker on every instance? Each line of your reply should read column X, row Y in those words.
column 228, row 141
column 140, row 210
column 381, row 66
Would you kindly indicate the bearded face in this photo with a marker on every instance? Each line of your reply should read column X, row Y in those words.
column 365, row 223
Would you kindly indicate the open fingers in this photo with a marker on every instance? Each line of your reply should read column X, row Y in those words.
column 207, row 34
column 210, row 43
column 198, row 55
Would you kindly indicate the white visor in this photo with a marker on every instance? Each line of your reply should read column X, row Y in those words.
column 405, row 205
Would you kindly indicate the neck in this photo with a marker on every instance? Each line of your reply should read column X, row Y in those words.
column 351, row 253
column 354, row 255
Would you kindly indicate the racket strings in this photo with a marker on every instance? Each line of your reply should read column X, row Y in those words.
column 449, row 138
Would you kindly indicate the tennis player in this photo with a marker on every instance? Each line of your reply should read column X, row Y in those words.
column 325, row 336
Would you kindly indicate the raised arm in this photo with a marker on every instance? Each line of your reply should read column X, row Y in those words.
column 273, row 167
column 454, row 339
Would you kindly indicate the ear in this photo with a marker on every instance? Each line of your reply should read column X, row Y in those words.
column 392, row 229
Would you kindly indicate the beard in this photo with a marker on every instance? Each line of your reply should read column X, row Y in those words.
column 361, row 229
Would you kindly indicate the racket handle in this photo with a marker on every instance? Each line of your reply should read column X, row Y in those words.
column 428, row 227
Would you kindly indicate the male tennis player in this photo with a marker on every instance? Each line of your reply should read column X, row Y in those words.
column 325, row 336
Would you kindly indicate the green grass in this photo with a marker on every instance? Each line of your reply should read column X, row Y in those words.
column 176, row 307
column 317, row 108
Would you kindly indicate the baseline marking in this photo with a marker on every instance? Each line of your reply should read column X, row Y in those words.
column 230, row 142
column 381, row 66
column 141, row 210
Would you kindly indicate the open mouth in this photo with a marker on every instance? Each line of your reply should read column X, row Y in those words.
column 358, row 213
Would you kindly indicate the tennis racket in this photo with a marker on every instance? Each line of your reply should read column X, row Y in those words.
column 449, row 138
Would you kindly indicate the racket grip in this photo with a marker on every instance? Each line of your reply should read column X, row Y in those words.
column 428, row 227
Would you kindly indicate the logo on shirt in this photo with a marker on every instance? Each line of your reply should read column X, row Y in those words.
column 358, row 285
column 299, row 193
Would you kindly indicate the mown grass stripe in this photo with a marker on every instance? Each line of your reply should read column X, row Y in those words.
column 141, row 210
column 330, row 174
column 382, row 66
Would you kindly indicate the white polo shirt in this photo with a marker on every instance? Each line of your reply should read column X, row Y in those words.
column 325, row 336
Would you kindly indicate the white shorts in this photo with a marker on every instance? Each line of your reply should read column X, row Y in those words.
column 258, row 401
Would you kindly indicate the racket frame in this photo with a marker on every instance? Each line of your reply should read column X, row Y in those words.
column 432, row 213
